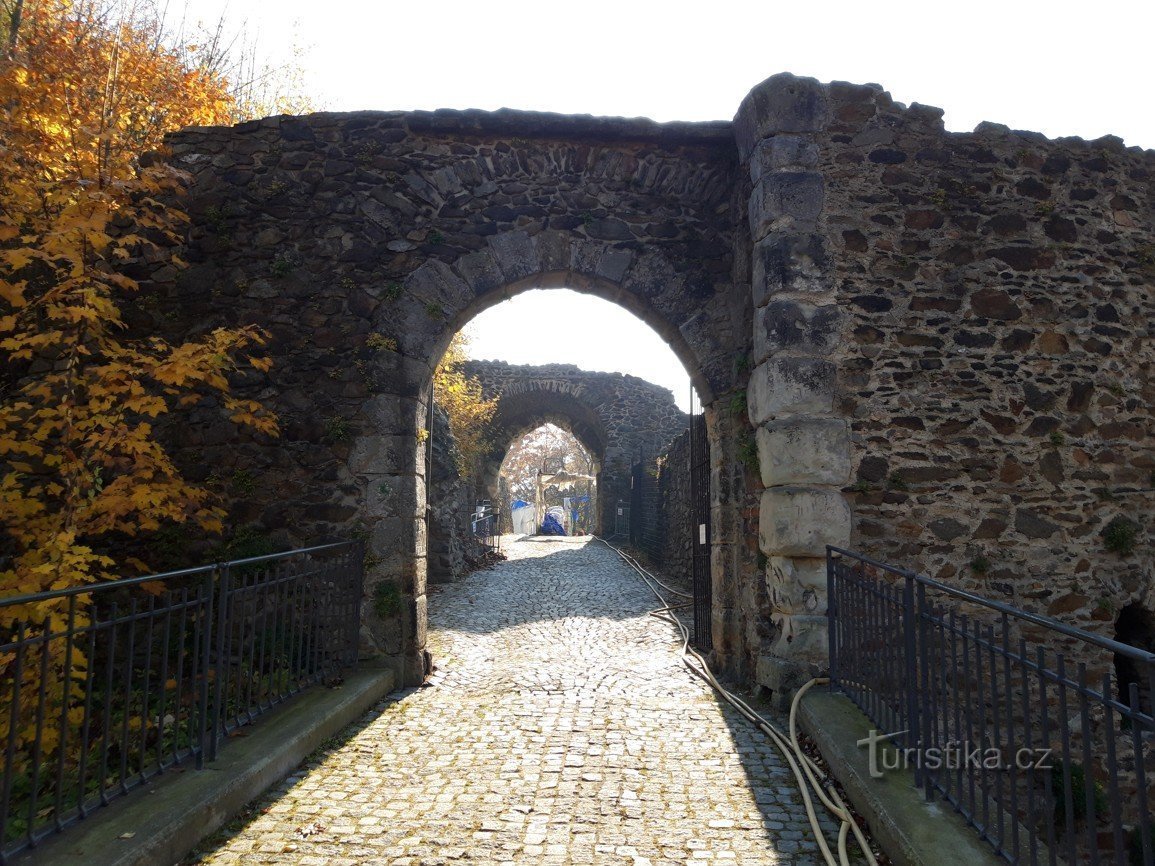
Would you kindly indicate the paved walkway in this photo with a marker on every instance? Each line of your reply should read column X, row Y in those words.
column 559, row 728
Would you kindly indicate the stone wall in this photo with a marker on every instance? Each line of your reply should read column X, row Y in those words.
column 451, row 501
column 362, row 242
column 674, row 486
column 944, row 340
column 619, row 419
column 966, row 321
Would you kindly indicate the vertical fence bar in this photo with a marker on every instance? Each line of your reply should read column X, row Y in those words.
column 41, row 710
column 1137, row 728
column 831, row 614
column 924, row 718
column 65, row 697
column 1069, row 833
column 13, row 728
column 1028, row 743
column 218, row 667
column 86, row 724
column 911, row 668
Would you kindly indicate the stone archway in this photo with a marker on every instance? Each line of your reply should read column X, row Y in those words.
column 363, row 241
column 616, row 417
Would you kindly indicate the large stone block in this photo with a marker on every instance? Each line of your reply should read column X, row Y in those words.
column 784, row 386
column 481, row 271
column 797, row 585
column 788, row 262
column 784, row 324
column 437, row 283
column 782, row 151
column 801, row 521
column 781, row 103
column 385, row 455
column 804, row 451
column 792, row 198
column 802, row 639
column 515, row 254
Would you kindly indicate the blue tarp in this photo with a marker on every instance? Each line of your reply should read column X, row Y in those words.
column 518, row 503
column 550, row 526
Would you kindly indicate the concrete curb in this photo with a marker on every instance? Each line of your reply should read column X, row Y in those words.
column 169, row 816
column 909, row 829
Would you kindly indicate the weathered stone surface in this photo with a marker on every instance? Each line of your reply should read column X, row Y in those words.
column 788, row 262
column 784, row 386
column 793, row 326
column 801, row 521
column 781, row 103
column 782, row 151
column 797, row 586
column 785, row 199
column 804, row 451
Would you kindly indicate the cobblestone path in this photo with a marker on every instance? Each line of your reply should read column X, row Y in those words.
column 560, row 728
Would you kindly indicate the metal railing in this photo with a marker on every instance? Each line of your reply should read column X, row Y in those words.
column 486, row 523
column 103, row 687
column 1022, row 723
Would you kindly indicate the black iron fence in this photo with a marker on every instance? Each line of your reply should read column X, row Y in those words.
column 486, row 523
column 103, row 687
column 1038, row 733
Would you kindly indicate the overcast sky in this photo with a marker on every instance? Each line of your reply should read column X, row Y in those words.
column 1055, row 67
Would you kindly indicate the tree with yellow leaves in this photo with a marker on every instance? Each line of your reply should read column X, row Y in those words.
column 469, row 415
column 85, row 87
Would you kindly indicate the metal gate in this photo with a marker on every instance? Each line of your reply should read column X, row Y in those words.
column 645, row 510
column 700, row 529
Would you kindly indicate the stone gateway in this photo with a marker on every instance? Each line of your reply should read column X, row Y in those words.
column 937, row 345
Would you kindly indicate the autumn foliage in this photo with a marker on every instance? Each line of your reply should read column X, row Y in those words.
column 85, row 88
column 469, row 415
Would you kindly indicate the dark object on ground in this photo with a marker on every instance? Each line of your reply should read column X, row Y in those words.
column 550, row 526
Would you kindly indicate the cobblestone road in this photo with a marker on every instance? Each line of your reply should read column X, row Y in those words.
column 560, row 728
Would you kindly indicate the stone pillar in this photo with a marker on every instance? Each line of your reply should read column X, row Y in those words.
column 803, row 445
column 388, row 466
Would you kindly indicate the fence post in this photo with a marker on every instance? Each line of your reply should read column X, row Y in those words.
column 220, row 672
column 831, row 619
column 911, row 738
column 927, row 709
column 358, row 594
column 205, row 650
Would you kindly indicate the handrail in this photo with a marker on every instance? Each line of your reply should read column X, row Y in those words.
column 1035, row 618
column 108, row 585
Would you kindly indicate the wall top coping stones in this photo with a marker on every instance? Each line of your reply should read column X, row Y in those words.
column 544, row 372
column 505, row 122
column 783, row 103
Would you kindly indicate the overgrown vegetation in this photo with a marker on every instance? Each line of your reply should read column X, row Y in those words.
column 1120, row 534
column 86, row 88
column 469, row 414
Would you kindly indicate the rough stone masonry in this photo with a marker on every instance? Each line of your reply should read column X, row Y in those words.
column 939, row 342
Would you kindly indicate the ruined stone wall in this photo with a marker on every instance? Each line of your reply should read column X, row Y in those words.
column 451, row 501
column 998, row 352
column 362, row 242
column 952, row 355
column 620, row 419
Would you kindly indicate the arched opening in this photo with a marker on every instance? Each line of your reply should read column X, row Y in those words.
column 548, row 468
column 614, row 421
column 686, row 298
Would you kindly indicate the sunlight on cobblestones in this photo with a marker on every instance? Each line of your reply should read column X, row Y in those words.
column 559, row 727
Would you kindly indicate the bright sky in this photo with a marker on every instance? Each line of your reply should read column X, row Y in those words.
column 595, row 335
column 1053, row 66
